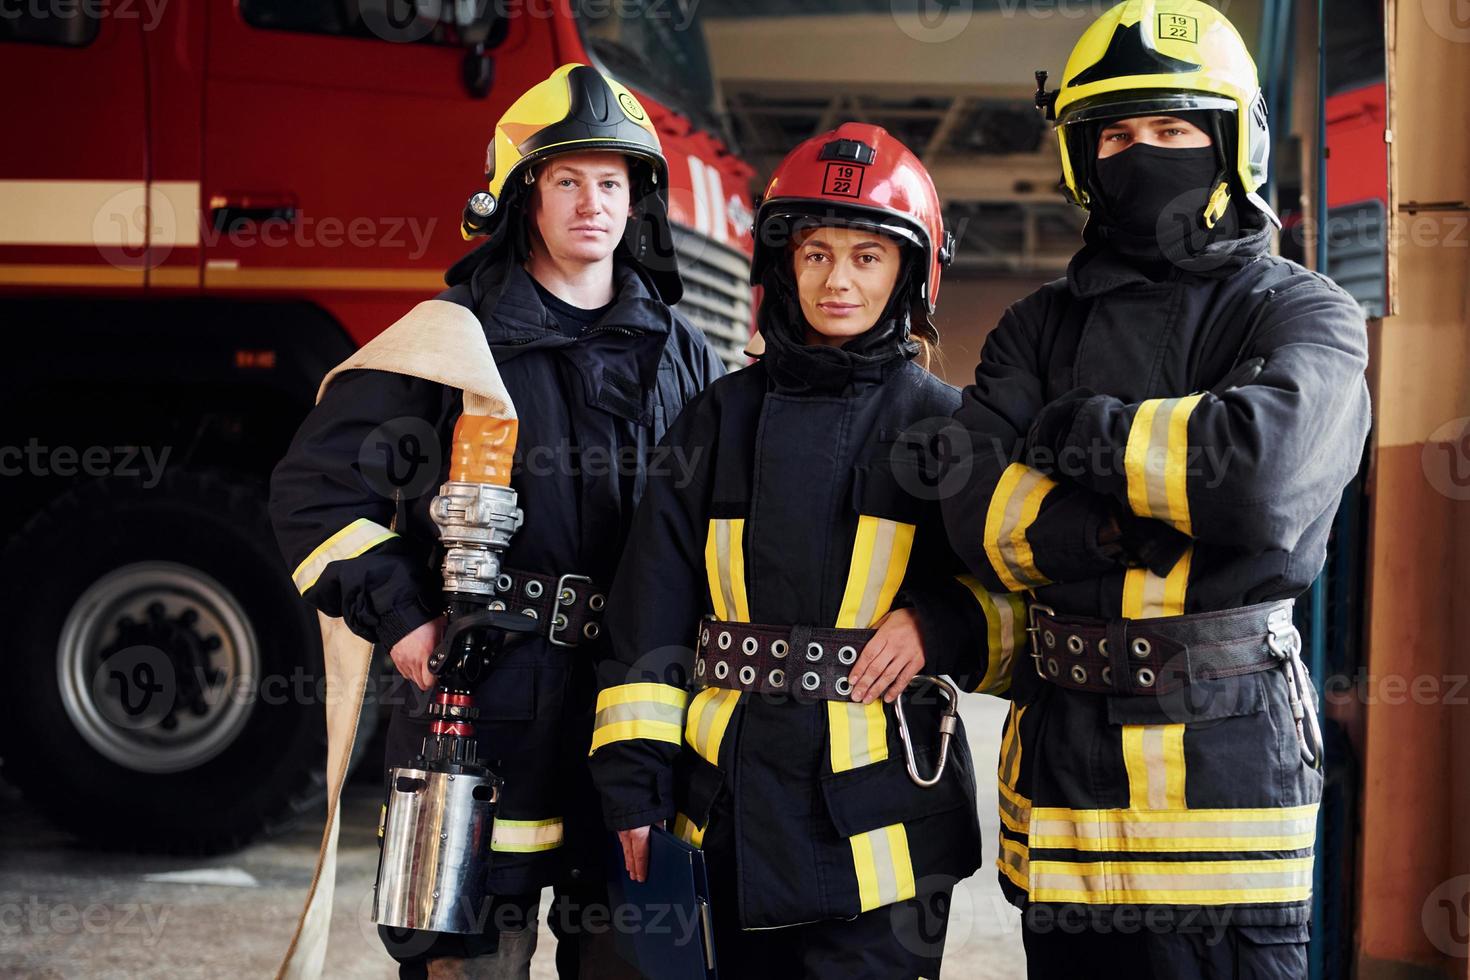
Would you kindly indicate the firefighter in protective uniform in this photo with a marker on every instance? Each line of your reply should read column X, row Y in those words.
column 1158, row 443
column 807, row 525
column 595, row 389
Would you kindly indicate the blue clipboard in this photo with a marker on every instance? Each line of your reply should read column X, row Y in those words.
column 674, row 937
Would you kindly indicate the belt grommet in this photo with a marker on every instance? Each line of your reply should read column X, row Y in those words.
column 1051, row 667
column 1145, row 677
column 747, row 675
column 776, row 677
column 1079, row 673
column 1075, row 644
column 498, row 605
column 843, row 686
column 847, row 655
column 1050, row 638
column 699, row 667
column 810, row 680
column 814, row 651
column 1142, row 648
column 503, row 582
column 559, row 621
column 749, row 646
column 704, row 637
column 724, row 640
column 566, row 597
column 1107, row 675
column 597, row 601
column 722, row 669
column 528, row 611
column 779, row 648
column 534, row 589
column 1102, row 647
column 592, row 631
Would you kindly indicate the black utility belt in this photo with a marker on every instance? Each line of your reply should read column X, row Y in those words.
column 568, row 608
column 807, row 662
column 1158, row 656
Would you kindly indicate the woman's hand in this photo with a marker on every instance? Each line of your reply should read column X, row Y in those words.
column 635, row 851
column 411, row 654
column 892, row 658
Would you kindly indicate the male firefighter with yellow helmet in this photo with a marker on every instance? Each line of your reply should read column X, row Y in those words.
column 1158, row 444
column 571, row 291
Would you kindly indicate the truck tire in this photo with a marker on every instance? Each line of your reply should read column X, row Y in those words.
column 163, row 674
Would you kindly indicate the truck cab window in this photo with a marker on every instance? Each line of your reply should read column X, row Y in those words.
column 388, row 20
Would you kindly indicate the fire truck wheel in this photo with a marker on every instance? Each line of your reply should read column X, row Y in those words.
column 163, row 676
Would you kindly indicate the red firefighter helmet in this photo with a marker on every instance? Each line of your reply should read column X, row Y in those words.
column 857, row 175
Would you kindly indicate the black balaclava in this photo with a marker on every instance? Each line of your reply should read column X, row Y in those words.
column 795, row 365
column 1149, row 201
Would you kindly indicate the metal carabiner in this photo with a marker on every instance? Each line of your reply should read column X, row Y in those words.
column 948, row 722
column 1285, row 643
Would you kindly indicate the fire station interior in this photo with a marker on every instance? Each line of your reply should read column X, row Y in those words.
column 1369, row 172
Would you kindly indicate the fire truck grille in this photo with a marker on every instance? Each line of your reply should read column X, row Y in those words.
column 716, row 293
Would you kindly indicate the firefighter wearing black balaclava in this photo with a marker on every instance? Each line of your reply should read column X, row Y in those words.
column 1158, row 444
column 571, row 290
column 805, row 560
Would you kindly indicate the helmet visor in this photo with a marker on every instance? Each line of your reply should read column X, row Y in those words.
column 1126, row 105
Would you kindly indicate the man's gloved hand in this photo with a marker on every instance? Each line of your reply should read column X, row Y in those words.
column 1050, row 428
column 1142, row 542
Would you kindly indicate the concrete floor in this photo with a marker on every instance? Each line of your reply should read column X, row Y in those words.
column 67, row 912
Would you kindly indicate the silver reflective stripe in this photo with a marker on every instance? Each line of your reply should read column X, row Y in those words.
column 883, row 865
column 522, row 836
column 877, row 571
column 672, row 714
column 722, row 552
column 1156, row 460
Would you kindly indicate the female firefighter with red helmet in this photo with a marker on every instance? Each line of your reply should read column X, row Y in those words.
column 805, row 556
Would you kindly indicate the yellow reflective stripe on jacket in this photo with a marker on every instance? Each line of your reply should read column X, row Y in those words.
column 1161, row 831
column 1013, row 509
column 857, row 734
column 1013, row 862
column 1005, row 629
column 1156, row 460
column 1154, row 758
column 642, row 710
column 354, row 539
column 724, row 565
column 885, row 872
column 880, row 555
column 709, row 716
column 1147, row 596
column 1172, row 882
column 1015, row 810
column 525, row 836
column 688, row 831
column 1008, row 769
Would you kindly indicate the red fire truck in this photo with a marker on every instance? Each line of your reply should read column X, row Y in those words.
column 204, row 205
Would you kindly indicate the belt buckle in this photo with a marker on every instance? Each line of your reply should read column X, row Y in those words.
column 1282, row 637
column 1032, row 611
column 556, row 604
